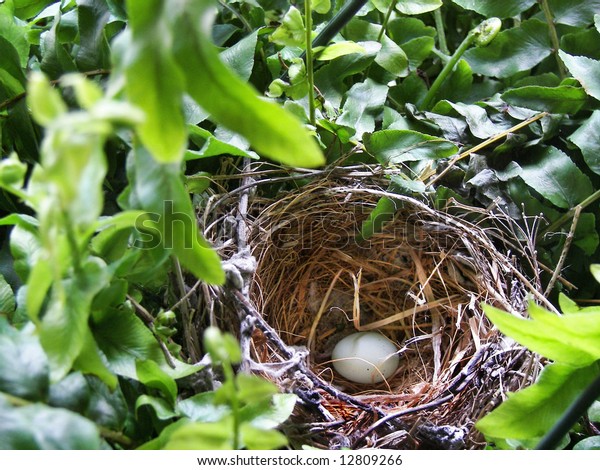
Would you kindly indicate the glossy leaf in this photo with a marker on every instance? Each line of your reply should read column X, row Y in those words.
column 574, row 12
column 503, row 9
column 363, row 104
column 530, row 413
column 585, row 70
column 15, row 33
column 161, row 407
column 513, row 50
column 291, row 31
column 589, row 443
column 340, row 49
column 397, row 146
column 554, row 175
column 23, row 365
column 418, row 7
column 26, row 9
column 93, row 52
column 321, row 6
column 561, row 99
column 150, row 374
column 41, row 427
column 571, row 339
column 587, row 138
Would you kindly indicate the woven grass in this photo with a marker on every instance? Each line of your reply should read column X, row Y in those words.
column 420, row 281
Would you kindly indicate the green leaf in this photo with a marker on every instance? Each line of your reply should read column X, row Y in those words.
column 321, row 6
column 530, row 413
column 414, row 37
column 276, row 412
column 222, row 347
column 240, row 56
column 363, row 104
column 261, row 439
column 93, row 52
column 595, row 270
column 45, row 102
column 231, row 102
column 162, row 408
column 201, row 407
column 417, row 7
column 479, row 122
column 291, row 31
column 558, row 100
column 124, row 339
column 15, row 33
column 397, row 146
column 514, row 50
column 160, row 190
column 89, row 361
column 23, row 365
column 503, row 9
column 211, row 146
column 589, row 443
column 382, row 213
column 340, row 49
column 554, row 175
column 574, row 12
column 7, row 299
column 392, row 58
column 585, row 70
column 150, row 374
column 594, row 412
column 202, row 436
column 41, row 427
column 252, row 388
column 570, row 339
column 67, row 316
column 26, row 9
column 457, row 87
column 154, row 82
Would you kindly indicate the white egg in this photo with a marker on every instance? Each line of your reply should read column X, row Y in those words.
column 365, row 358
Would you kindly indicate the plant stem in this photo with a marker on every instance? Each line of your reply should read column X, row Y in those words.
column 441, row 78
column 386, row 20
column 439, row 26
column 571, row 213
column 562, row 70
column 309, row 63
column 235, row 404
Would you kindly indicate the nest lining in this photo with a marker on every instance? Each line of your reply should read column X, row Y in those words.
column 419, row 281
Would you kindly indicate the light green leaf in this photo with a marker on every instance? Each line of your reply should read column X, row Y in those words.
column 530, row 413
column 7, row 299
column 90, row 361
column 26, row 9
column 340, row 49
column 291, row 31
column 154, row 82
column 162, row 408
column 151, row 375
column 414, row 37
column 554, row 175
column 202, row 407
column 41, row 427
column 559, row 100
column 417, row 7
column 321, row 6
column 585, row 70
column 503, row 9
column 595, row 270
column 252, row 388
column 514, row 50
column 210, row 146
column 261, row 439
column 280, row 408
column 231, row 102
column 45, row 102
column 382, row 213
column 397, row 146
column 202, row 436
column 570, row 339
column 15, row 33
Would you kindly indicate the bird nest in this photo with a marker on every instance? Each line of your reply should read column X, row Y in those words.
column 303, row 278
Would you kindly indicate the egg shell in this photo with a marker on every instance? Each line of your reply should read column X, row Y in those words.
column 366, row 357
